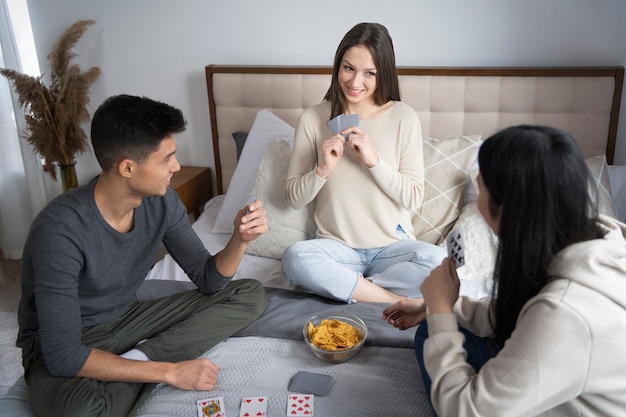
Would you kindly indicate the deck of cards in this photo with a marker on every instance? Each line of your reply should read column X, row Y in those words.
column 456, row 246
column 342, row 122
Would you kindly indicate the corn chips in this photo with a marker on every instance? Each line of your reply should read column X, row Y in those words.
column 334, row 334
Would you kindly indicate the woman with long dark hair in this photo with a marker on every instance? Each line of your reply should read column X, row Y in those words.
column 551, row 338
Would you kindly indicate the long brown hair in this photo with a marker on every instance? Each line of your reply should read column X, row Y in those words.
column 376, row 39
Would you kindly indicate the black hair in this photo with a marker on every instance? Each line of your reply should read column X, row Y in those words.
column 377, row 40
column 126, row 126
column 539, row 182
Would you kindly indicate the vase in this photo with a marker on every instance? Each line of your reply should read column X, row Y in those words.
column 69, row 180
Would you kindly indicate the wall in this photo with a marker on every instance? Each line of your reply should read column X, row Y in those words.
column 159, row 48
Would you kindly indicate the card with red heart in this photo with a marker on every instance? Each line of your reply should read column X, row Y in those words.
column 253, row 407
column 211, row 407
column 300, row 405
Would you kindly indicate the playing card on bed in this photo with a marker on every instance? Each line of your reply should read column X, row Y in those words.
column 300, row 404
column 212, row 407
column 310, row 383
column 253, row 407
column 456, row 246
column 343, row 121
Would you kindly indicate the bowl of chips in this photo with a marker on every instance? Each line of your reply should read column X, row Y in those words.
column 334, row 337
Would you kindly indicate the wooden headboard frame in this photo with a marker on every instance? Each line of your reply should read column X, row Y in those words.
column 450, row 101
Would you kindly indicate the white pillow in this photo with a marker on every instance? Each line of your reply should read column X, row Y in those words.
column 476, row 276
column 286, row 225
column 599, row 171
column 447, row 165
column 265, row 128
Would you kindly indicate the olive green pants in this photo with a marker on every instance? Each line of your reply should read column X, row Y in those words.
column 178, row 327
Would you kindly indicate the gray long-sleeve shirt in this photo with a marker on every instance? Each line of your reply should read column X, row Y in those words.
column 77, row 271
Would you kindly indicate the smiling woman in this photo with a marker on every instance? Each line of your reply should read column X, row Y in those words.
column 369, row 173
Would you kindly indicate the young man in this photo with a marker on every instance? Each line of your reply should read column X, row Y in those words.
column 89, row 347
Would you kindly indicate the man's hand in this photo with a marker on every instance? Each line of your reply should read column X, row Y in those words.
column 251, row 221
column 198, row 374
column 405, row 313
column 194, row 375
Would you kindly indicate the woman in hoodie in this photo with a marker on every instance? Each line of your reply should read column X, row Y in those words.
column 551, row 340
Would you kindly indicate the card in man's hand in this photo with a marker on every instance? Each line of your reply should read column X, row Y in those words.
column 456, row 246
column 343, row 121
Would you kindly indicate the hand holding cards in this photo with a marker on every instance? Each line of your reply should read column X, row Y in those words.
column 456, row 246
column 342, row 122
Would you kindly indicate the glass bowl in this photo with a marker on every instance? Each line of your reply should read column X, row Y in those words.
column 339, row 355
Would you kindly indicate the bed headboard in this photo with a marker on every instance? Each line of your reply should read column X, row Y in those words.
column 449, row 101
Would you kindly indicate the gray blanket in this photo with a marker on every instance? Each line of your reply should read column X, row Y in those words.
column 288, row 311
column 383, row 379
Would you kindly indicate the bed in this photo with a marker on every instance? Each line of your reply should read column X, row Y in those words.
column 252, row 111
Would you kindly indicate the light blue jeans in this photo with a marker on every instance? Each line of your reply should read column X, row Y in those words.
column 331, row 269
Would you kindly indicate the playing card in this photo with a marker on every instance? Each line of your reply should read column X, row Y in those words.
column 456, row 246
column 310, row 383
column 212, row 407
column 343, row 121
column 253, row 407
column 300, row 404
column 251, row 200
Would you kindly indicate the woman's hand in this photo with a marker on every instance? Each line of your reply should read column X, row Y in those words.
column 360, row 143
column 332, row 150
column 405, row 313
column 441, row 288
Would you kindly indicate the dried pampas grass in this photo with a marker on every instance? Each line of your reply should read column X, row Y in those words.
column 54, row 113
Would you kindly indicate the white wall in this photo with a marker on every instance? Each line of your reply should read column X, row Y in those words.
column 158, row 48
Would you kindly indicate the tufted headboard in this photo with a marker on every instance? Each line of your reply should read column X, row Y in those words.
column 449, row 101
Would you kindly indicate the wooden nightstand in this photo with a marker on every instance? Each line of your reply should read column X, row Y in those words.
column 193, row 186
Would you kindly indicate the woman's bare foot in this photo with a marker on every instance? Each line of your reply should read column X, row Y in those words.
column 367, row 291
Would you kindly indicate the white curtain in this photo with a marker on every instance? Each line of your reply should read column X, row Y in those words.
column 22, row 185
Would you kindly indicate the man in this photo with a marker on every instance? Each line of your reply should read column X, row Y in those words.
column 89, row 347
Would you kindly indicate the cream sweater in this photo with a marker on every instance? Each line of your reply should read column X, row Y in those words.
column 357, row 205
column 566, row 356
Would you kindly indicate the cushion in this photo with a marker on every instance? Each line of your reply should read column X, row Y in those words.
column 447, row 165
column 286, row 225
column 240, row 141
column 476, row 276
column 265, row 128
column 599, row 171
